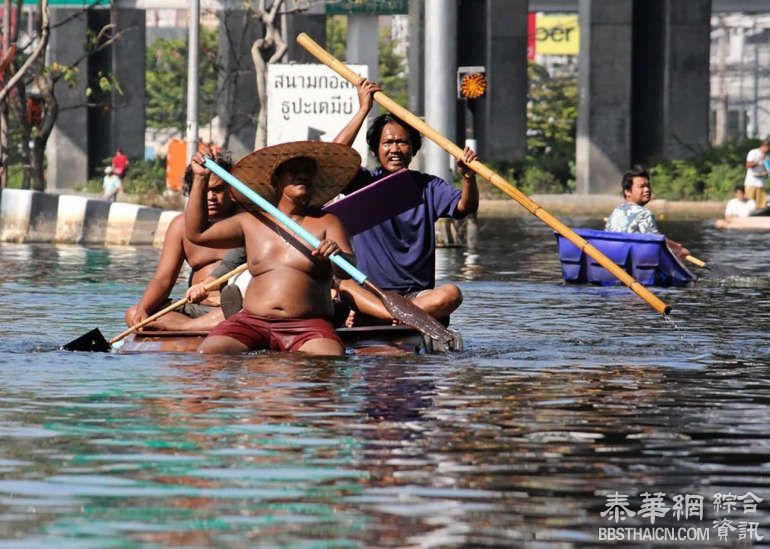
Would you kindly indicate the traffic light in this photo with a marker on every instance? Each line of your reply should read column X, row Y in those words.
column 471, row 82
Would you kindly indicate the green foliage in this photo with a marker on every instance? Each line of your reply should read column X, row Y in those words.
column 166, row 81
column 392, row 66
column 393, row 79
column 336, row 35
column 93, row 186
column 551, row 130
column 59, row 70
column 710, row 175
column 15, row 176
column 529, row 178
column 146, row 177
column 539, row 180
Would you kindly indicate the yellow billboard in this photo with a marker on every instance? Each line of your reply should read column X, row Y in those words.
column 557, row 35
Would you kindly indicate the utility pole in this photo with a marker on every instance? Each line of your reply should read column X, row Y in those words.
column 440, row 63
column 720, row 134
column 755, row 90
column 4, row 108
column 193, row 46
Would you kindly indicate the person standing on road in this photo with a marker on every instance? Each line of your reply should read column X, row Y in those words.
column 111, row 185
column 120, row 163
column 756, row 174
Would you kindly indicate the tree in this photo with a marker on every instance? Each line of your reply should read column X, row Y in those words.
column 272, row 47
column 391, row 67
column 393, row 78
column 268, row 49
column 552, row 121
column 166, row 81
column 22, row 73
column 31, row 70
column 336, row 35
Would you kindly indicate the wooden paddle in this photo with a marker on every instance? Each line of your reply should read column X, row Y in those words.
column 697, row 262
column 401, row 308
column 718, row 271
column 498, row 181
column 95, row 341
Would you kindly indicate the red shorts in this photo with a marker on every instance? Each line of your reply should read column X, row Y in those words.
column 276, row 334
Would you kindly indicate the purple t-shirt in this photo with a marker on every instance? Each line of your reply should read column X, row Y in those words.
column 400, row 253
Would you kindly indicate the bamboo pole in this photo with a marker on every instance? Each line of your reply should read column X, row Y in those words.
column 498, row 181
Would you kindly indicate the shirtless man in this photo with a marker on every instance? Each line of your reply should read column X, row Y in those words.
column 206, row 313
column 287, row 305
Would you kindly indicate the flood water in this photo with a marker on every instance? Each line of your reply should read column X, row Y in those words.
column 571, row 410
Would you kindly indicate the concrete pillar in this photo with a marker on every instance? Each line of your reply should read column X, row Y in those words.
column 127, row 119
column 440, row 85
column 83, row 138
column 67, row 150
column 670, row 78
column 416, row 56
column 603, row 150
column 493, row 33
column 363, row 43
column 237, row 103
column 313, row 25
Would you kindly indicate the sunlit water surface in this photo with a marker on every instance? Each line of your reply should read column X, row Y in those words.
column 563, row 396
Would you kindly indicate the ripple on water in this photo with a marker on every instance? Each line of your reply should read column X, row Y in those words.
column 563, row 396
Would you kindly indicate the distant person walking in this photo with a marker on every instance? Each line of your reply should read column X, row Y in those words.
column 756, row 174
column 111, row 185
column 119, row 163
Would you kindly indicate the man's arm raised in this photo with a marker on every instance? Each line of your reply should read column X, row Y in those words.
column 226, row 233
column 366, row 89
column 469, row 199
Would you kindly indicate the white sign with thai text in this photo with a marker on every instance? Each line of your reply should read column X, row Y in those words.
column 311, row 102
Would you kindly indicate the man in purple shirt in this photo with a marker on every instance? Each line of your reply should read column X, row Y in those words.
column 400, row 253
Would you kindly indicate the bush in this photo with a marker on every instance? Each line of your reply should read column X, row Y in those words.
column 146, row 178
column 710, row 175
column 15, row 176
column 532, row 178
column 537, row 180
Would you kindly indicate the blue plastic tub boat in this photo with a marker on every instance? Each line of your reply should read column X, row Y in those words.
column 644, row 256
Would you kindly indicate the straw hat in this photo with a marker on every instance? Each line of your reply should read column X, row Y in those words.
column 337, row 164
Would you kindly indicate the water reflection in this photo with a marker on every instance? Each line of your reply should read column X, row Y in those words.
column 565, row 394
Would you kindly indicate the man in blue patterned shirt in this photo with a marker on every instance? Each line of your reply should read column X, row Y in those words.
column 632, row 216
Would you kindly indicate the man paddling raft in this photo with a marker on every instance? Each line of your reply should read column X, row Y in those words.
column 400, row 253
column 202, row 312
column 632, row 216
column 287, row 304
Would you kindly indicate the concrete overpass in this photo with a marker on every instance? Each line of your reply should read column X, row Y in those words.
column 644, row 84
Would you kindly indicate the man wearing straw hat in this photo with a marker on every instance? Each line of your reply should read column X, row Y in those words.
column 287, row 305
column 399, row 253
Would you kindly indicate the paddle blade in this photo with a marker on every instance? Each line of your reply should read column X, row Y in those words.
column 92, row 341
column 410, row 314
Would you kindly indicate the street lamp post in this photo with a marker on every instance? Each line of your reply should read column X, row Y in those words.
column 192, row 79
